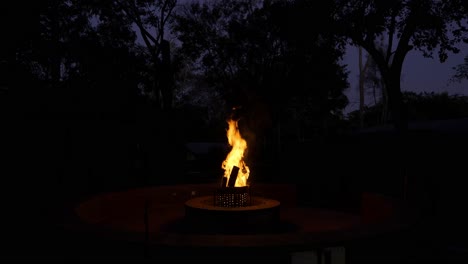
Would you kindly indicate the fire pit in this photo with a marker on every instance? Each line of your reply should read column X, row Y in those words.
column 232, row 197
column 167, row 232
column 228, row 221
column 232, row 209
column 261, row 215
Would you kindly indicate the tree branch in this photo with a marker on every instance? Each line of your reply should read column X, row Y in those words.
column 163, row 19
column 378, row 57
column 403, row 46
column 391, row 33
column 137, row 20
column 160, row 35
column 169, row 12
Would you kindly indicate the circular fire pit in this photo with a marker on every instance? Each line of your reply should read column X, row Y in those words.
column 172, row 214
column 203, row 214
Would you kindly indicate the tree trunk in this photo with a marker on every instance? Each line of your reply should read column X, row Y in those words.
column 55, row 38
column 166, row 84
column 156, row 90
column 395, row 101
column 324, row 111
column 362, row 79
column 361, row 90
column 278, row 140
column 400, row 120
column 384, row 102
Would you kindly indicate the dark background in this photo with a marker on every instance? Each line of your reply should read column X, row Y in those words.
column 88, row 106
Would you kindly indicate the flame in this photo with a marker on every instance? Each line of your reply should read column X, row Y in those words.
column 236, row 155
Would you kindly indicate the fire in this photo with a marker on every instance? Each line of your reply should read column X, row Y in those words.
column 236, row 155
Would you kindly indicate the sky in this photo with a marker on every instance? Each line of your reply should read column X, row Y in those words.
column 419, row 75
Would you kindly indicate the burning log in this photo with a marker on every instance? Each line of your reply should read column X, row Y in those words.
column 233, row 176
column 224, row 182
column 234, row 166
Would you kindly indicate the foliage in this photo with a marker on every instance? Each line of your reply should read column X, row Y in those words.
column 424, row 25
column 436, row 105
column 417, row 24
column 254, row 51
column 77, row 60
column 421, row 106
column 461, row 71
column 148, row 19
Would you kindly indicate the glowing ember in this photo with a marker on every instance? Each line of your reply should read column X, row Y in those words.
column 236, row 156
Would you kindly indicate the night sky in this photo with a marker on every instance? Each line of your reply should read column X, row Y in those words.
column 419, row 74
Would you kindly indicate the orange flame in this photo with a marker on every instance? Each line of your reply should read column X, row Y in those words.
column 236, row 155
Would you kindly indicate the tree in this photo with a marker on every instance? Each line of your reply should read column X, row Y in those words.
column 150, row 18
column 422, row 25
column 312, row 61
column 153, row 16
column 219, row 42
column 41, row 46
column 66, row 71
column 461, row 71
column 421, row 107
column 255, row 51
column 371, row 81
column 362, row 73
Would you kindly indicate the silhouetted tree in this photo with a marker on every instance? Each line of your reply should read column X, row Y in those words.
column 422, row 25
column 461, row 71
column 313, row 72
column 362, row 72
column 41, row 49
column 371, row 82
column 421, row 106
column 435, row 106
column 255, row 51
column 148, row 19
column 72, row 64
column 61, row 43
column 151, row 18
column 24, row 30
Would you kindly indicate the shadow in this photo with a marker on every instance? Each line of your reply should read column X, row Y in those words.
column 184, row 226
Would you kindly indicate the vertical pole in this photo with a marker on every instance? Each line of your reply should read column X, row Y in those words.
column 146, row 223
column 278, row 156
column 319, row 253
column 405, row 185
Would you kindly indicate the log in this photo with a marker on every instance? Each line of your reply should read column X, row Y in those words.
column 224, row 182
column 233, row 176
